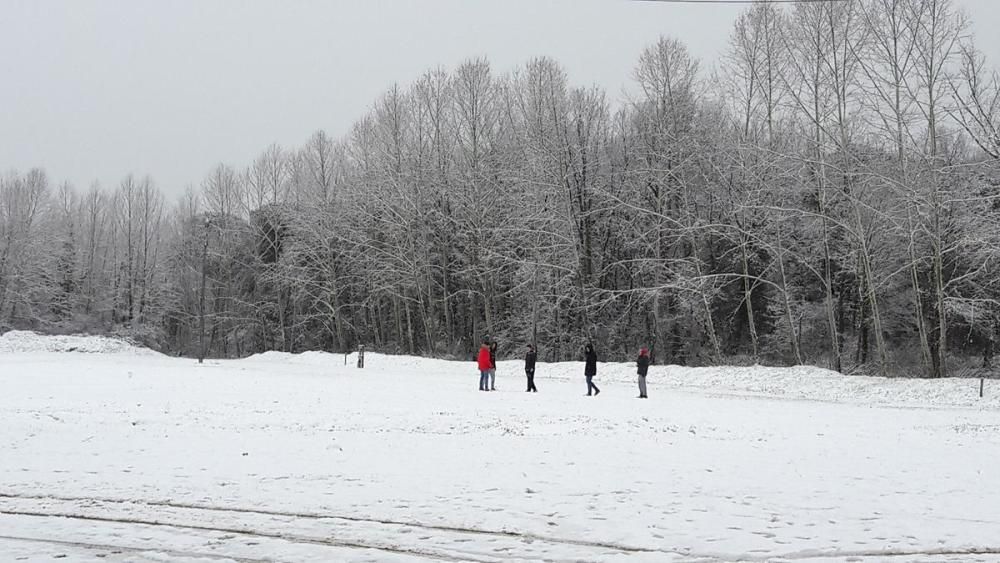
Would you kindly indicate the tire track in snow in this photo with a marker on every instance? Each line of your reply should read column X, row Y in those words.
column 802, row 555
column 119, row 549
column 388, row 522
column 881, row 553
column 248, row 533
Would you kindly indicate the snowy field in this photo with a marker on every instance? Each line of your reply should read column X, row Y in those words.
column 110, row 453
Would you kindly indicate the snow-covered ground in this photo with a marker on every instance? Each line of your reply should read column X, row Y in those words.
column 127, row 455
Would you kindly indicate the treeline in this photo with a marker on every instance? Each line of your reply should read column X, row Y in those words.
column 828, row 195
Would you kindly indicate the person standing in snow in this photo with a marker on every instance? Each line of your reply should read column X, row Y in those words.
column 484, row 364
column 529, row 367
column 590, row 368
column 642, row 363
column 493, row 366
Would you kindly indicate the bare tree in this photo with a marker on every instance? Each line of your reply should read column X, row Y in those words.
column 977, row 95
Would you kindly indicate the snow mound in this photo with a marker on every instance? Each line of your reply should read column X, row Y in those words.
column 398, row 364
column 797, row 383
column 807, row 383
column 311, row 358
column 25, row 341
column 271, row 356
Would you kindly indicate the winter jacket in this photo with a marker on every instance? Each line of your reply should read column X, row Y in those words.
column 643, row 364
column 590, row 357
column 493, row 356
column 529, row 361
column 484, row 359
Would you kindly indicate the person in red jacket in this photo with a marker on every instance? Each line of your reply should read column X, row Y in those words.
column 485, row 363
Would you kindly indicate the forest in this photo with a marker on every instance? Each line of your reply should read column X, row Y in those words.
column 827, row 193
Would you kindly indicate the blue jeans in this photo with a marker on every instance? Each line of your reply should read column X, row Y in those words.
column 484, row 380
column 591, row 386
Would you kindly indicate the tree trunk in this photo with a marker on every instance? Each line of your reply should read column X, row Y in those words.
column 747, row 296
column 786, row 300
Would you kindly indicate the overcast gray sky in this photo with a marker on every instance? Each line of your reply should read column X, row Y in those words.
column 93, row 90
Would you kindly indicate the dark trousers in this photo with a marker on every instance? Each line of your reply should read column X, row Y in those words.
column 484, row 380
column 531, row 380
column 591, row 386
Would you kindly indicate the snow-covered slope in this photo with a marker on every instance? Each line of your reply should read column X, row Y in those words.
column 23, row 341
column 800, row 382
column 142, row 457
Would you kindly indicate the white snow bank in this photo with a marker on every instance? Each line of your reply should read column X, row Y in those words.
column 800, row 382
column 399, row 364
column 813, row 383
column 25, row 341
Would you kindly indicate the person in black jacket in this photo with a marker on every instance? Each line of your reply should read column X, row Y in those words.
column 642, row 363
column 493, row 366
column 590, row 368
column 529, row 368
